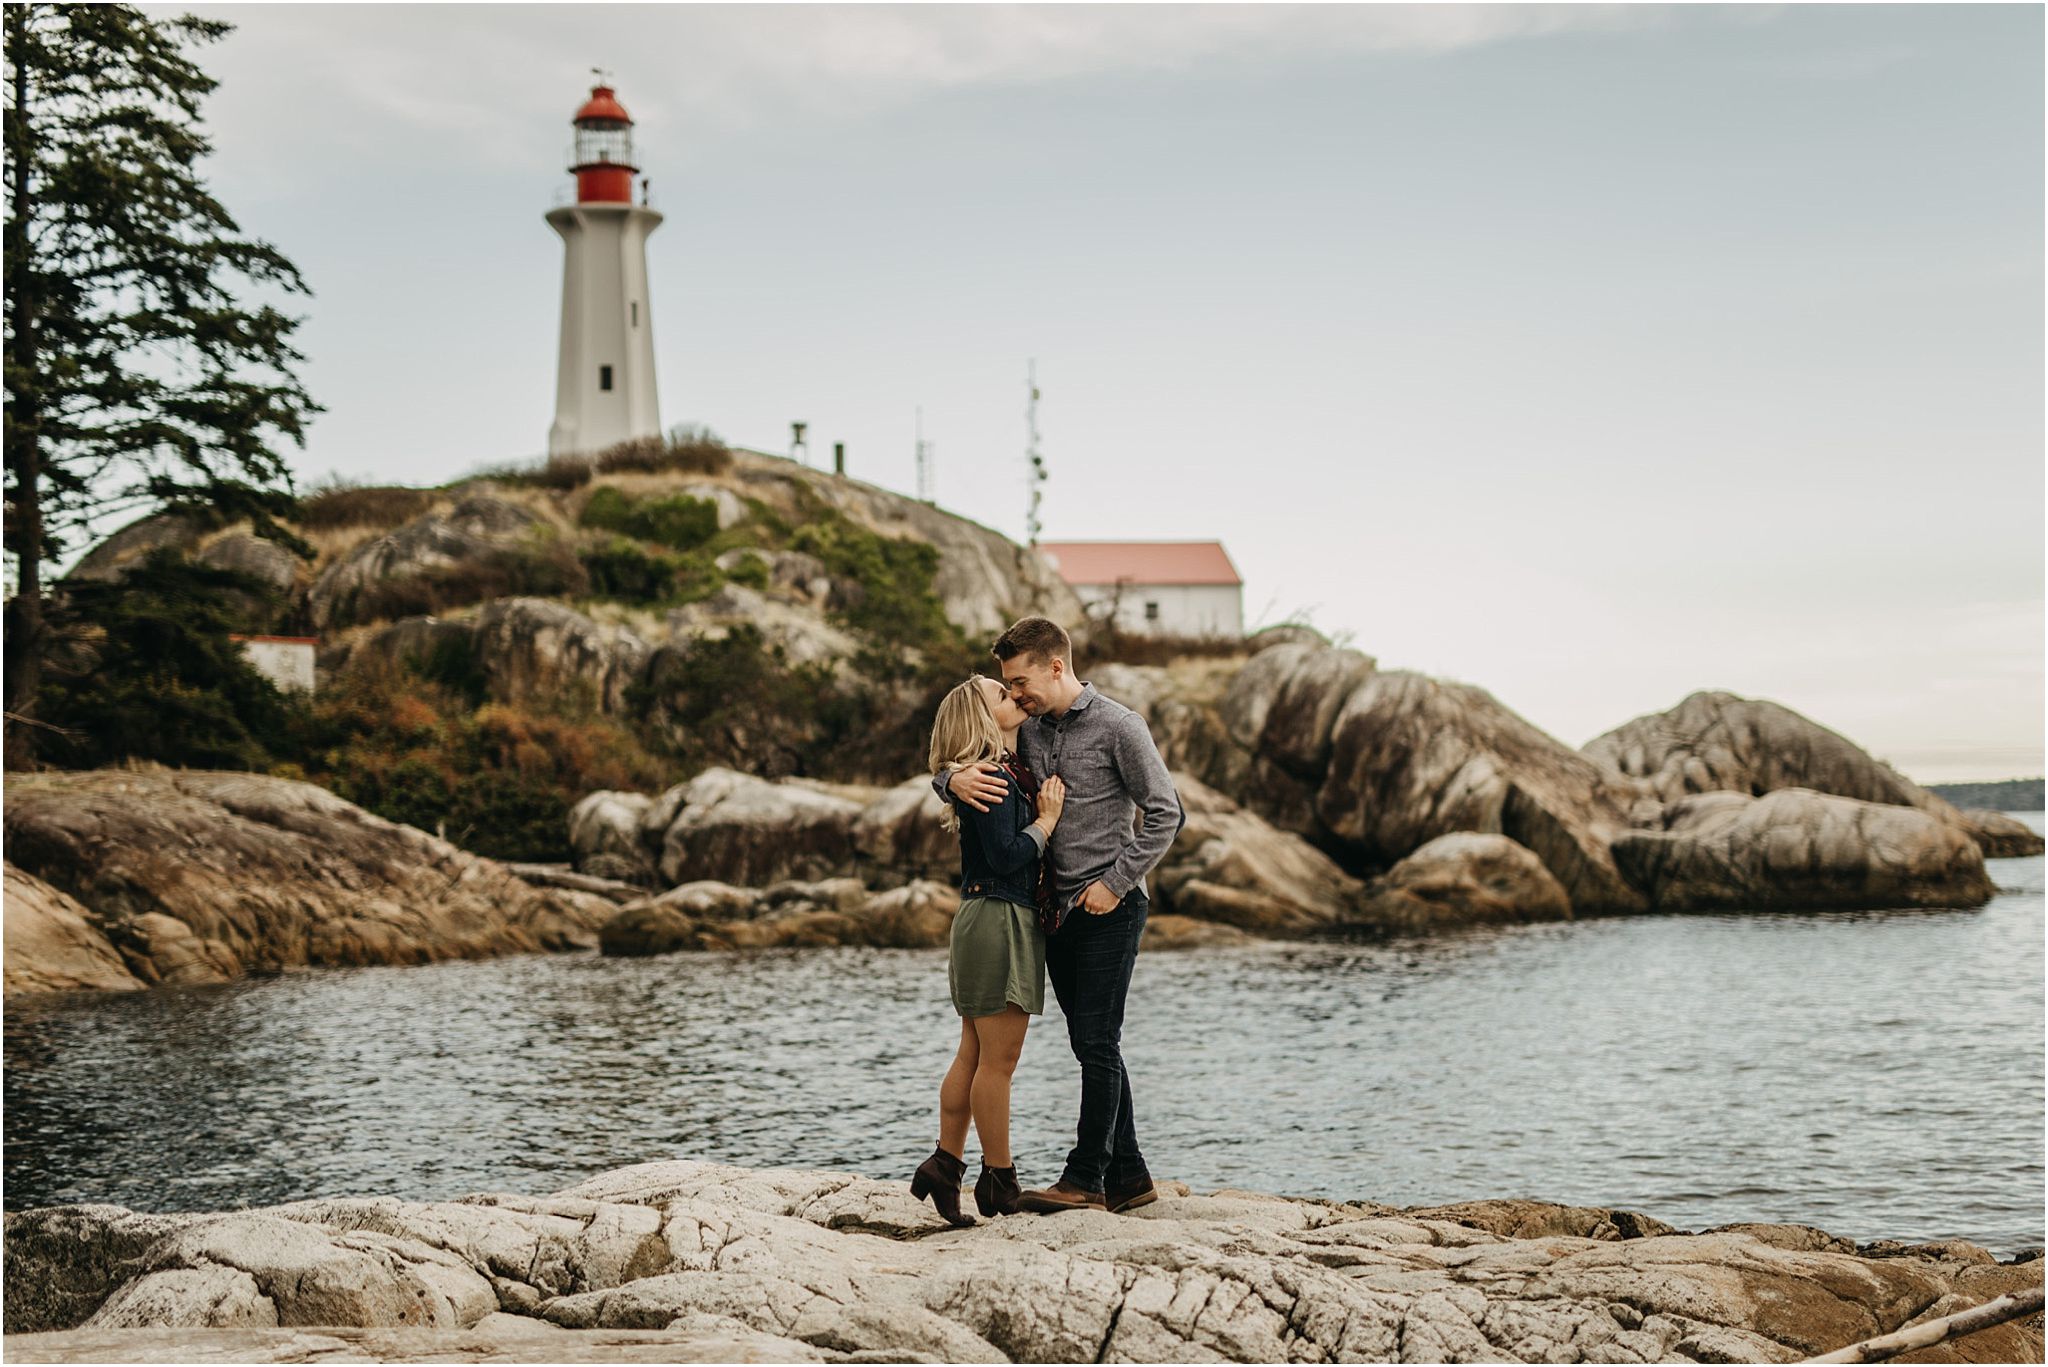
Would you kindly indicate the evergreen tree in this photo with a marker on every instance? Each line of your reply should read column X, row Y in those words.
column 136, row 374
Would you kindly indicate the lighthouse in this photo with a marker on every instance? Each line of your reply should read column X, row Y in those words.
column 604, row 387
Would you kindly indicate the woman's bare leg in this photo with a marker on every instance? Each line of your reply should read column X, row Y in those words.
column 1001, row 1043
column 955, row 1107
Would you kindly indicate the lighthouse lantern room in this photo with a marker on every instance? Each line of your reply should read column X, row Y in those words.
column 604, row 386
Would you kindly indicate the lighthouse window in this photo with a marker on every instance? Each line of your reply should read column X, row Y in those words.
column 604, row 377
column 636, row 313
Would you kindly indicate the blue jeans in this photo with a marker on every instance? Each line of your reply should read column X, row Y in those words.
column 1090, row 962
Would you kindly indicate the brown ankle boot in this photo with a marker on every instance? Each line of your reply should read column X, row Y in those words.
column 938, row 1177
column 996, row 1190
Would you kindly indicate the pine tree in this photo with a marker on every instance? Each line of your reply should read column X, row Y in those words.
column 138, row 374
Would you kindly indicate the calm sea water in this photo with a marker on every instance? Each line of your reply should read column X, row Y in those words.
column 1876, row 1074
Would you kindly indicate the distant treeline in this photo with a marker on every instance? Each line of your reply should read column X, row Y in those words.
column 2010, row 795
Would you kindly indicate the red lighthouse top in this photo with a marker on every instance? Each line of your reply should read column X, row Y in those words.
column 603, row 104
column 602, row 158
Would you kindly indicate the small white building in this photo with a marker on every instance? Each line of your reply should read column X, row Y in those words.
column 1154, row 588
column 286, row 661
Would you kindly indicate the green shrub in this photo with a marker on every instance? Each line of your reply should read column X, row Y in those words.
column 896, row 605
column 750, row 570
column 679, row 521
column 620, row 569
column 453, row 663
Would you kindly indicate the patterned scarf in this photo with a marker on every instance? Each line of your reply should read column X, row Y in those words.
column 1051, row 915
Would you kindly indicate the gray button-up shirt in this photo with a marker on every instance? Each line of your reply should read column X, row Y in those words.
column 1114, row 776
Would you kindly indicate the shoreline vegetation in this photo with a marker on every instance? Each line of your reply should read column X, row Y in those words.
column 704, row 1262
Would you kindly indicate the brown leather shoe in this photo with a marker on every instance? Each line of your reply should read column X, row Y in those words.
column 1138, row 1193
column 1061, row 1195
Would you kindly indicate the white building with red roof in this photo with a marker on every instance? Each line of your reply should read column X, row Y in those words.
column 1154, row 588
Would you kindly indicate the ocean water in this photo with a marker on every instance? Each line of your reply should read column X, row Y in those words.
column 1878, row 1074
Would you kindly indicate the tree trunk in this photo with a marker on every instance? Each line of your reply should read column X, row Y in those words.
column 24, row 627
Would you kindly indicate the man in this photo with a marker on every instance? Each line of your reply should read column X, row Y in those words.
column 1096, row 863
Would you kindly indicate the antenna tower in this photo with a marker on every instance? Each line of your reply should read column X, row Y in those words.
column 1035, row 479
column 926, row 469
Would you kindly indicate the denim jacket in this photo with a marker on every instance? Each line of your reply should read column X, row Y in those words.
column 1000, row 849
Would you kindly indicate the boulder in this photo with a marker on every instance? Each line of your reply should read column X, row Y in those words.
column 476, row 525
column 740, row 829
column 606, row 827
column 1296, row 697
column 202, row 876
column 262, row 559
column 1412, row 758
column 802, row 633
column 530, row 649
column 2001, row 836
column 132, row 543
column 898, row 836
column 1231, row 866
column 1797, row 850
column 1464, row 878
column 1372, row 765
column 52, row 944
column 798, row 1263
column 1720, row 742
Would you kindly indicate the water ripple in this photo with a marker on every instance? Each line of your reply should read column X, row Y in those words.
column 1703, row 1069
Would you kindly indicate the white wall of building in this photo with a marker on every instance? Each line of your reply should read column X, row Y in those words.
column 605, row 322
column 288, row 664
column 1170, row 609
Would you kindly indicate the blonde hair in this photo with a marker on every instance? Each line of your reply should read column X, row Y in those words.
column 964, row 732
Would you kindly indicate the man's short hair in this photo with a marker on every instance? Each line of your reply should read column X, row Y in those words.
column 1039, row 637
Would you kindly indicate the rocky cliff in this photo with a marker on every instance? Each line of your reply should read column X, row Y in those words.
column 120, row 879
column 685, row 1261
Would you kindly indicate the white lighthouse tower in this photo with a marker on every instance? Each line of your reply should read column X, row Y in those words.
column 604, row 390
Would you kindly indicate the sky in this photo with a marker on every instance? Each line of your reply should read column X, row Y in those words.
column 1593, row 355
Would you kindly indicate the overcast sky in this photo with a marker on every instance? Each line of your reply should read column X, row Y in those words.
column 1592, row 355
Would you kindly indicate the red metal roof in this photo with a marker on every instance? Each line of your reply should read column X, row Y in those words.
column 1141, row 562
column 602, row 104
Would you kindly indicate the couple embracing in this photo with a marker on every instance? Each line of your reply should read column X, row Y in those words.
column 1063, row 805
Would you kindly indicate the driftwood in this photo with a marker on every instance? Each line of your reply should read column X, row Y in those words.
column 2027, row 1302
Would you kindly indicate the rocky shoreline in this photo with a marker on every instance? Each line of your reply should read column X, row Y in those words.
column 122, row 879
column 688, row 1261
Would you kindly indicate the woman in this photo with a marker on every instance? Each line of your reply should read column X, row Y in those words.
column 998, row 961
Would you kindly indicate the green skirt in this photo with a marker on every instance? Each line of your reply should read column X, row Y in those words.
column 998, row 958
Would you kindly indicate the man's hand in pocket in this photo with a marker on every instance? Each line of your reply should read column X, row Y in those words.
column 1099, row 900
